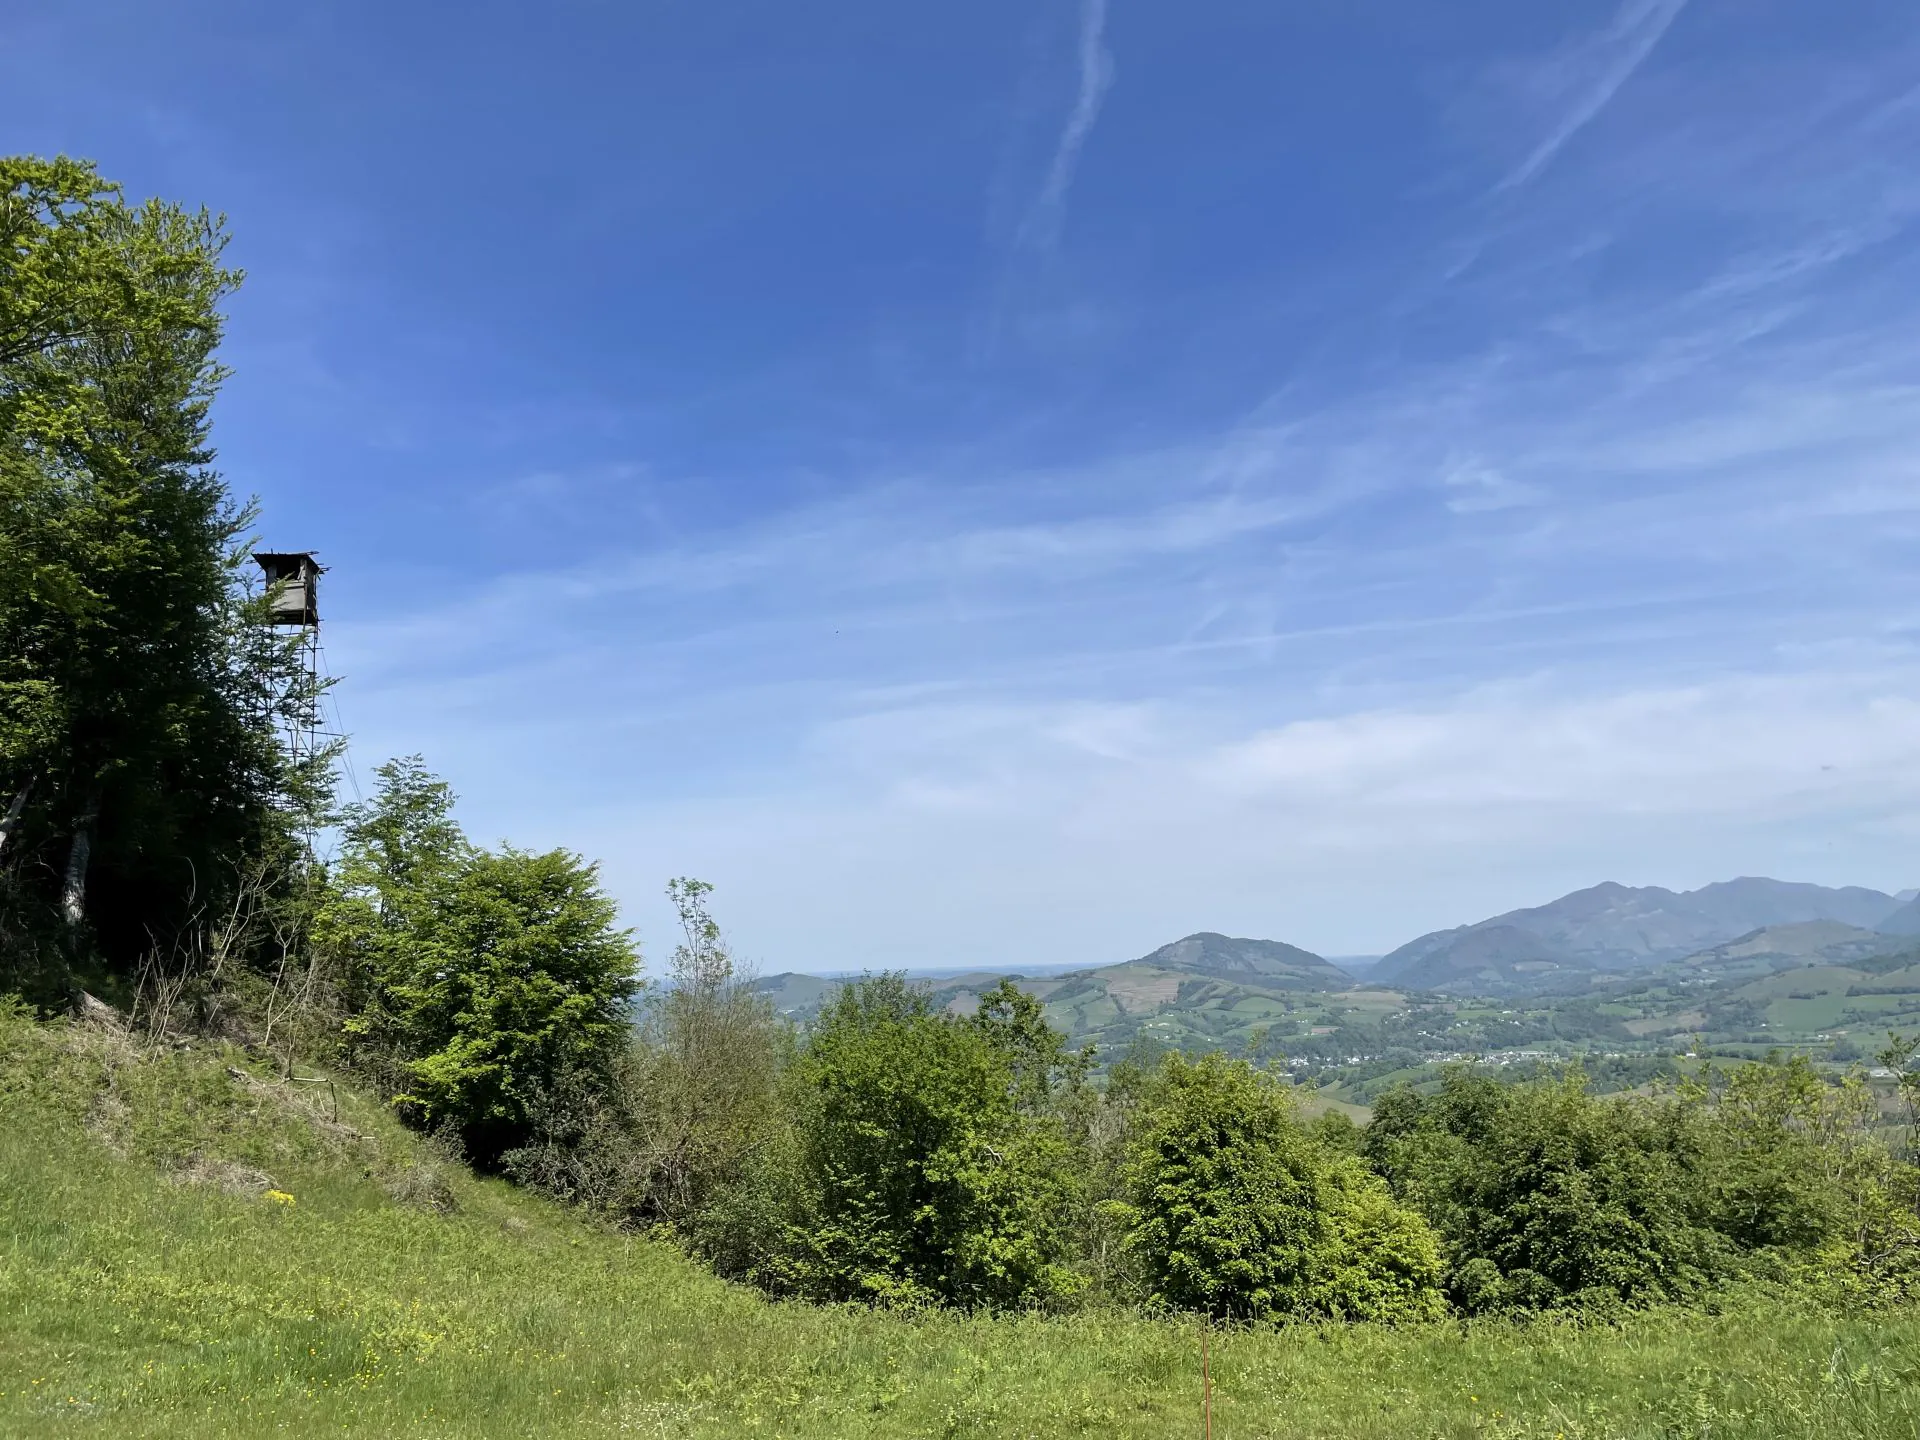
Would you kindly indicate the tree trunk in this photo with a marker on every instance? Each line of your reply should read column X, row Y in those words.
column 13, row 814
column 73, row 900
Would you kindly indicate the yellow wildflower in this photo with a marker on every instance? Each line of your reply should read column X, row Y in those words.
column 278, row 1197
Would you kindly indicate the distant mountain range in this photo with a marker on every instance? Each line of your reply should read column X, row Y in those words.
column 1481, row 958
column 1904, row 921
column 1613, row 927
column 1210, row 988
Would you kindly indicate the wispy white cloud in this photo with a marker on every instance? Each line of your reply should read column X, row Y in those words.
column 1754, row 746
column 1006, row 833
column 1583, row 78
column 1094, row 61
column 1598, row 582
column 1477, row 486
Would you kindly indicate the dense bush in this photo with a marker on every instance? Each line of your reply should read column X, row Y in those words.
column 926, row 1177
column 1550, row 1197
column 1547, row 1195
column 893, row 1153
column 1241, row 1212
column 1782, row 1159
column 476, row 981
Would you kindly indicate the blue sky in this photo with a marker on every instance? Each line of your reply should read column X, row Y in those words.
column 1018, row 483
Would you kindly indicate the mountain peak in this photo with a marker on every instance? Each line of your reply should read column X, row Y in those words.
column 1626, row 927
column 1228, row 957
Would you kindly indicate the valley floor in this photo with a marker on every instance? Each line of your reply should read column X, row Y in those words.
column 188, row 1247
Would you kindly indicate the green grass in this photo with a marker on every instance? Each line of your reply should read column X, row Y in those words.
column 397, row 1295
column 1807, row 978
column 1806, row 1017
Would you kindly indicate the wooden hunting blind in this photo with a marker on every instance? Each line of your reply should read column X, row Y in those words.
column 293, row 586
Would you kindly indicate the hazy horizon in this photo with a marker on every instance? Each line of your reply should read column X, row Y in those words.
column 1359, row 962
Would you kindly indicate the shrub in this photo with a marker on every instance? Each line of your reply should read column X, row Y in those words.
column 925, row 1180
column 1241, row 1213
column 527, row 981
column 704, row 1087
column 1377, row 1260
column 1781, row 1155
column 690, row 1125
column 1547, row 1196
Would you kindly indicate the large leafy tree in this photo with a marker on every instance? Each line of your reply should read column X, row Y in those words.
column 138, row 693
column 476, row 981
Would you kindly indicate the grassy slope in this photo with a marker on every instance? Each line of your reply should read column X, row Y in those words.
column 136, row 1301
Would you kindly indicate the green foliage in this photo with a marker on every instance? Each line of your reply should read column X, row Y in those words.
column 1793, row 1169
column 1778, row 1152
column 1548, row 1196
column 1376, row 1259
column 479, row 978
column 925, row 1178
column 691, row 1126
column 529, row 977
column 1901, row 1059
column 140, row 1295
column 1241, row 1214
column 1223, row 1185
column 706, row 1087
column 1036, row 1054
column 709, row 1053
column 138, row 693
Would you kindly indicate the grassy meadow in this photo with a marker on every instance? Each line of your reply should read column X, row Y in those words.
column 190, row 1247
